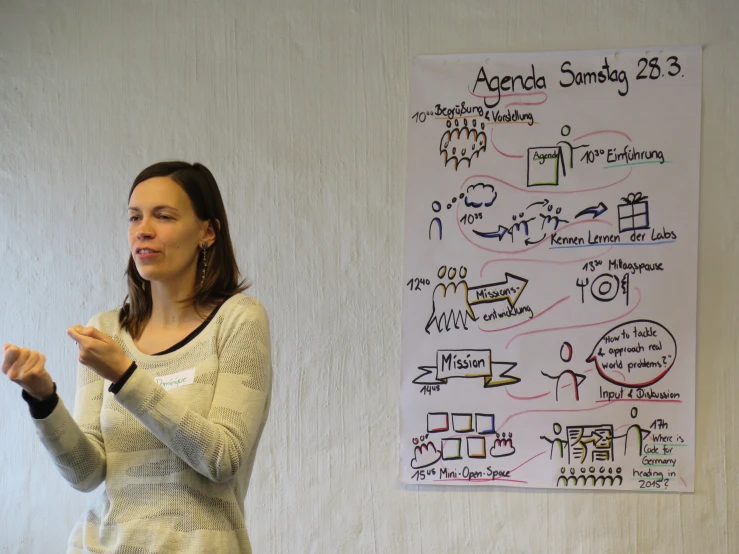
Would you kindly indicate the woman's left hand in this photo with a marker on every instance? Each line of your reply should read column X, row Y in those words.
column 100, row 353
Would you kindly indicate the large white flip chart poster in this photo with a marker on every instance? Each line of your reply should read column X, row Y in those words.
column 550, row 270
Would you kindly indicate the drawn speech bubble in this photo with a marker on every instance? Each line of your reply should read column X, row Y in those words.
column 635, row 354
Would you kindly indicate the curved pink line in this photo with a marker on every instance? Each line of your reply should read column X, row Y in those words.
column 527, row 461
column 510, row 417
column 684, row 483
column 543, row 261
column 527, row 321
column 547, row 192
column 498, row 151
column 528, row 103
column 621, row 374
column 604, row 131
column 527, row 397
column 578, row 326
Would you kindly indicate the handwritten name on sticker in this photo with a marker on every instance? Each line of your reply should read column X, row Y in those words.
column 176, row 380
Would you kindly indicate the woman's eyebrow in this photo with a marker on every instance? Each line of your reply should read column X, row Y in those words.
column 155, row 208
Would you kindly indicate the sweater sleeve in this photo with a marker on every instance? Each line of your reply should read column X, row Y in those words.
column 75, row 442
column 217, row 445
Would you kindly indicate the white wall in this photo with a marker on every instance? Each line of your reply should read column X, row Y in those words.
column 300, row 109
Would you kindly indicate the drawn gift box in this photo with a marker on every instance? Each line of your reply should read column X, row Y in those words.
column 633, row 214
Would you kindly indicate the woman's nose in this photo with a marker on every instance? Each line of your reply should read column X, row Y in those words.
column 144, row 230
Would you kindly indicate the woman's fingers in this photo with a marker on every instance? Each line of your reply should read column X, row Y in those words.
column 27, row 368
column 17, row 358
column 89, row 331
column 82, row 335
column 21, row 368
column 21, row 363
column 30, row 369
column 40, row 366
column 73, row 333
column 23, row 356
column 9, row 357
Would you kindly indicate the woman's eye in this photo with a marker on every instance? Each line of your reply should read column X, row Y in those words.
column 162, row 216
column 133, row 218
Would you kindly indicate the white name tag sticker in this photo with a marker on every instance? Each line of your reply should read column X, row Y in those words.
column 170, row 382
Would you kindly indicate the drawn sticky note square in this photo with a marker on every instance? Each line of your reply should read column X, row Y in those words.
column 462, row 423
column 451, row 449
column 476, row 447
column 543, row 166
column 437, row 422
column 485, row 424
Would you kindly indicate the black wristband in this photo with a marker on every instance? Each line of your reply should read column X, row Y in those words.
column 41, row 409
column 115, row 387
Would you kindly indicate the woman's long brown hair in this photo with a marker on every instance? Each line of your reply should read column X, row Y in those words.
column 222, row 274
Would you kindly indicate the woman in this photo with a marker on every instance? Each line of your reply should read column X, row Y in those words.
column 173, row 389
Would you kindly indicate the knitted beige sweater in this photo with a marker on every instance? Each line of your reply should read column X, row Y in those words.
column 175, row 446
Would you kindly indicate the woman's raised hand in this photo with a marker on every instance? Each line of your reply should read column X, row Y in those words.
column 27, row 368
column 99, row 352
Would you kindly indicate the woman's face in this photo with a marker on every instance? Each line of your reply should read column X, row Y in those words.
column 164, row 234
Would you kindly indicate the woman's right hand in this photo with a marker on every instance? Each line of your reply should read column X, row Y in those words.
column 26, row 368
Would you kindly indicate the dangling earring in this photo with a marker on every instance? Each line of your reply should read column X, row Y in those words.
column 204, row 248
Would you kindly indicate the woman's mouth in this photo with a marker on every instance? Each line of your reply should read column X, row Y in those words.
column 145, row 253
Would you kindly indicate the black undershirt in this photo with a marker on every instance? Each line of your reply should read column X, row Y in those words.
column 41, row 409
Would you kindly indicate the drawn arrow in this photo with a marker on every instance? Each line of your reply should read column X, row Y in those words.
column 499, row 234
column 602, row 435
column 528, row 242
column 467, row 364
column 510, row 289
column 595, row 210
column 543, row 203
